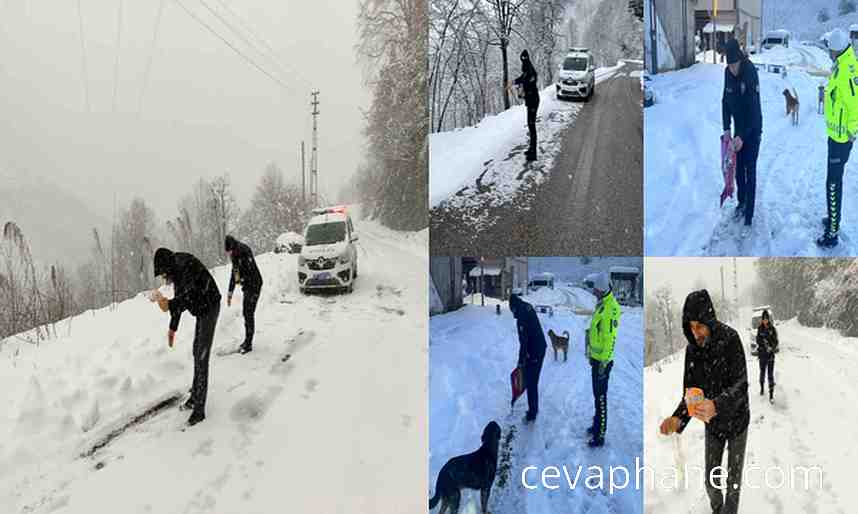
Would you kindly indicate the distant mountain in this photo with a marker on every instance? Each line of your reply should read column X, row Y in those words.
column 57, row 224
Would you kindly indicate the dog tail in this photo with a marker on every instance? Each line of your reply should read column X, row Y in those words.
column 433, row 501
column 566, row 334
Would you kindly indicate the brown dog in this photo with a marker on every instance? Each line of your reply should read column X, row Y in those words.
column 792, row 105
column 559, row 343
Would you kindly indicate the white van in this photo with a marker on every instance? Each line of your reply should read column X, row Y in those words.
column 328, row 258
column 577, row 75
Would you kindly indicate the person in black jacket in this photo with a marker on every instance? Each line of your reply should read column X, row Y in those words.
column 767, row 346
column 246, row 273
column 715, row 363
column 528, row 82
column 196, row 292
column 741, row 104
column 531, row 351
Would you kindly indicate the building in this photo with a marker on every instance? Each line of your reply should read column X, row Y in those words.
column 445, row 284
column 669, row 36
column 496, row 278
column 741, row 19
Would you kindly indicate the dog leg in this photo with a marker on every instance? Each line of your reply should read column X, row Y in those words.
column 484, row 500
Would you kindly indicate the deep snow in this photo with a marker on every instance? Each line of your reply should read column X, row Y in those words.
column 682, row 173
column 341, row 427
column 808, row 425
column 486, row 151
column 472, row 352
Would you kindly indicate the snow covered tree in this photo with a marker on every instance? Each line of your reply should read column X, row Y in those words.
column 276, row 207
column 846, row 7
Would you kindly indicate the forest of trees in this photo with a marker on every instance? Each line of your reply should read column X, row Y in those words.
column 120, row 263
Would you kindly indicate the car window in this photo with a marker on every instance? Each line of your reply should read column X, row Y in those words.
column 325, row 233
column 575, row 64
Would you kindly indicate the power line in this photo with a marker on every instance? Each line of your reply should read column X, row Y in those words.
column 231, row 46
column 148, row 68
column 118, row 48
column 83, row 56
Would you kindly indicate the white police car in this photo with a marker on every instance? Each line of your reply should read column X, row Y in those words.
column 328, row 259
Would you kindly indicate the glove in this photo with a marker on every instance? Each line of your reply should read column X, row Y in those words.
column 171, row 337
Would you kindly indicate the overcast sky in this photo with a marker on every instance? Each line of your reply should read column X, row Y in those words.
column 683, row 274
column 204, row 110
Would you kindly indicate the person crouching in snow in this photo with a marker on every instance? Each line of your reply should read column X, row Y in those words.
column 528, row 82
column 715, row 364
column 600, row 342
column 531, row 351
column 767, row 345
column 196, row 292
column 841, row 120
column 741, row 104
column 246, row 273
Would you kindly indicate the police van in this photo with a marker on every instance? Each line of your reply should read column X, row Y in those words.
column 576, row 77
column 328, row 258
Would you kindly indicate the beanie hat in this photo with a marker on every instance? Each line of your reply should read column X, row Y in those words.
column 732, row 51
column 164, row 260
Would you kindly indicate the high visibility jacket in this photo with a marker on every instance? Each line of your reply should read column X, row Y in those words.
column 841, row 98
column 603, row 329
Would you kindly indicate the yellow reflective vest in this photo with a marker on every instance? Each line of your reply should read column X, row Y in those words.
column 603, row 329
column 841, row 98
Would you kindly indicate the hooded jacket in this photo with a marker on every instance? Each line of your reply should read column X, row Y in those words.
column 841, row 98
column 531, row 339
column 718, row 368
column 767, row 339
column 741, row 101
column 528, row 80
column 195, row 288
column 603, row 328
column 244, row 269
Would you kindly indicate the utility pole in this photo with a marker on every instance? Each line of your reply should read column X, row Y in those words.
column 303, row 177
column 314, row 159
column 736, row 288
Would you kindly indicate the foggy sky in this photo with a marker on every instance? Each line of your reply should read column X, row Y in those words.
column 205, row 111
column 683, row 274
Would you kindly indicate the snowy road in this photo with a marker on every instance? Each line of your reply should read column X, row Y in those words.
column 337, row 428
column 807, row 426
column 582, row 197
column 472, row 352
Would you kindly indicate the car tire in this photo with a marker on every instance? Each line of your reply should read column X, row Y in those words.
column 302, row 290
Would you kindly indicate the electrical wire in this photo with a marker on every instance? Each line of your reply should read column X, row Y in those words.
column 83, row 56
column 147, row 71
column 118, row 48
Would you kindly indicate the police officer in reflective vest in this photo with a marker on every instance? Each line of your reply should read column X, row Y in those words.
column 600, row 341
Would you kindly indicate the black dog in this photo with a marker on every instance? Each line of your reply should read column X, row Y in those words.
column 473, row 471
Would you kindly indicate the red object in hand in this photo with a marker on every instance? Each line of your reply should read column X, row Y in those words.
column 728, row 166
column 516, row 379
column 171, row 337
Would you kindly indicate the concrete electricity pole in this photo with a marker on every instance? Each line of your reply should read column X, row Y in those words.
column 314, row 158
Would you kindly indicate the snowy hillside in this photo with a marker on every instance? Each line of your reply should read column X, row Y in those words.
column 330, row 430
column 801, row 17
column 472, row 352
column 806, row 426
column 491, row 154
column 683, row 179
column 573, row 270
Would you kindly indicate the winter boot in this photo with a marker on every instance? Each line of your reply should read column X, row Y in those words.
column 188, row 405
column 245, row 348
column 771, row 395
column 596, row 442
column 827, row 240
column 739, row 213
column 762, row 390
column 195, row 418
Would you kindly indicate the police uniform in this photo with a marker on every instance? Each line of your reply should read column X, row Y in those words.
column 602, row 336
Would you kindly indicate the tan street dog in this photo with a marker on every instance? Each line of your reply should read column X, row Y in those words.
column 792, row 105
column 559, row 343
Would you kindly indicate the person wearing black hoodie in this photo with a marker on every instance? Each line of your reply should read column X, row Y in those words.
column 741, row 104
column 531, row 351
column 767, row 346
column 196, row 292
column 715, row 363
column 246, row 273
column 528, row 82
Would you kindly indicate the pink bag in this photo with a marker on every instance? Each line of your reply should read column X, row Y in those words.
column 516, row 379
column 728, row 167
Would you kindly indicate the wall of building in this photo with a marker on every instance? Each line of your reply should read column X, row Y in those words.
column 446, row 276
column 677, row 35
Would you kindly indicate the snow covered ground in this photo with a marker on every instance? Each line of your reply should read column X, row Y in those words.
column 808, row 425
column 472, row 352
column 340, row 427
column 493, row 151
column 683, row 180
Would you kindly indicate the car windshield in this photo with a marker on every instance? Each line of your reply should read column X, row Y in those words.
column 575, row 64
column 325, row 233
column 775, row 41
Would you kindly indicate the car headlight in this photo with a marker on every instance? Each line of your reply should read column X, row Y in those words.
column 301, row 260
column 344, row 259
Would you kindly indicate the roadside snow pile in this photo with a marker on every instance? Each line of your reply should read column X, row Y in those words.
column 90, row 423
column 489, row 158
column 783, row 440
column 683, row 178
column 472, row 352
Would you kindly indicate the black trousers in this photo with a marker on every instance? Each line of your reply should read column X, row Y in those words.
column 600, row 378
column 719, row 501
column 532, row 109
column 746, row 176
column 248, row 310
column 838, row 156
column 767, row 366
column 203, row 337
column 532, row 370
